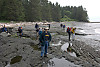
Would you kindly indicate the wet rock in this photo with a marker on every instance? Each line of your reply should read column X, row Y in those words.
column 25, row 47
column 5, row 34
column 97, row 60
column 16, row 59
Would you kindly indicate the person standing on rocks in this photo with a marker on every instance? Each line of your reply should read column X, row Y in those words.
column 36, row 26
column 69, row 32
column 73, row 34
column 37, row 30
column 4, row 29
column 40, row 32
column 20, row 31
column 45, row 38
column 49, row 26
column 61, row 25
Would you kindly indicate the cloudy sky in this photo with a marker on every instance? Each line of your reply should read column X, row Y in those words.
column 92, row 6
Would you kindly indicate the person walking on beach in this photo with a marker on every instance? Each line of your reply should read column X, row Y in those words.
column 69, row 32
column 45, row 38
column 73, row 34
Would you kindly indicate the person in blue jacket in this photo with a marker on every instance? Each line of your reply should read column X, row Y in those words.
column 4, row 29
column 40, row 32
column 45, row 38
column 63, row 26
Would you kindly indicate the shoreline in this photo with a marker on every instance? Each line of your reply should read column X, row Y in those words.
column 27, row 47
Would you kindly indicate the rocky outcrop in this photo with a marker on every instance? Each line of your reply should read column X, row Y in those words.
column 26, row 47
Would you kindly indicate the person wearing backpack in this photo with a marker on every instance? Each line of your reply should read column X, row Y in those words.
column 69, row 32
column 45, row 38
column 73, row 34
column 4, row 29
column 63, row 26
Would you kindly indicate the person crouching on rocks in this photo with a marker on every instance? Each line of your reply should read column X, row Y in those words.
column 45, row 38
column 4, row 29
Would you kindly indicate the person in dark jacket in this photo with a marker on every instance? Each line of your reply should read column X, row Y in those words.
column 40, row 32
column 49, row 26
column 69, row 32
column 20, row 31
column 36, row 26
column 4, row 29
column 61, row 25
column 45, row 38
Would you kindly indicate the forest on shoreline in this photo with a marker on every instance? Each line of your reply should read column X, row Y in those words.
column 40, row 10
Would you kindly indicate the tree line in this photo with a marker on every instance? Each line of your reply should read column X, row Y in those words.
column 40, row 10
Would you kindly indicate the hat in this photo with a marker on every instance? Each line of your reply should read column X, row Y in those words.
column 46, row 28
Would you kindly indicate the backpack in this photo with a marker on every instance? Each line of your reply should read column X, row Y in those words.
column 64, row 26
column 68, row 29
column 19, row 29
column 40, row 32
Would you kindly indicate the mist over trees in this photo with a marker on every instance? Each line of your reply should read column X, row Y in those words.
column 40, row 10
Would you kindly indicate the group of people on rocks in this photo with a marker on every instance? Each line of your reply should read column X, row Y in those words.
column 44, row 36
column 62, row 26
column 70, row 31
column 20, row 31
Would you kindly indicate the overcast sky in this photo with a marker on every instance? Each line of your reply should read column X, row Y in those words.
column 92, row 6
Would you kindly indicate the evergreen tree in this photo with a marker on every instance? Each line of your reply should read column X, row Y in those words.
column 39, row 10
column 81, row 14
column 1, row 2
column 57, row 12
column 33, row 12
column 74, row 13
column 26, row 9
column 12, row 10
column 46, row 10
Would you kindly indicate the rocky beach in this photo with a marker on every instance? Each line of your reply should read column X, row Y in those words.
column 25, row 51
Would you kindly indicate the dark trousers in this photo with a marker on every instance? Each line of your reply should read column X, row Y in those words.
column 69, row 35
